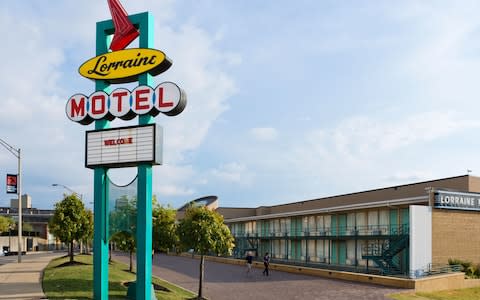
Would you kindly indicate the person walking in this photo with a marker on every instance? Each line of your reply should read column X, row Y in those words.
column 266, row 263
column 249, row 260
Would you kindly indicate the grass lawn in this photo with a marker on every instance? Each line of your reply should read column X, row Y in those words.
column 64, row 281
column 462, row 294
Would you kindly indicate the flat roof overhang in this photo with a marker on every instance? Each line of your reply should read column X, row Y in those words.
column 334, row 209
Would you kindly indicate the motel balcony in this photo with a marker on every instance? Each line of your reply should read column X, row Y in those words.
column 345, row 232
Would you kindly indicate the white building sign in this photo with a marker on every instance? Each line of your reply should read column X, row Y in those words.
column 457, row 200
column 124, row 146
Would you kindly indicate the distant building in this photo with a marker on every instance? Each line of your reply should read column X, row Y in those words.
column 26, row 202
column 39, row 238
column 211, row 202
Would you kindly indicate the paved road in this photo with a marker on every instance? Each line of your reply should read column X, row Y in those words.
column 225, row 281
column 8, row 259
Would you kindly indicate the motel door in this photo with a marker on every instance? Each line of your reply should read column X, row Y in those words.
column 342, row 252
column 342, row 224
column 333, row 226
column 296, row 248
column 393, row 221
column 339, row 252
column 296, row 227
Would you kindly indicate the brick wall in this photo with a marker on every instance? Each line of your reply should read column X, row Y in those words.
column 455, row 234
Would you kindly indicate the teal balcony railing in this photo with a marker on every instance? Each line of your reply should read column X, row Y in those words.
column 339, row 231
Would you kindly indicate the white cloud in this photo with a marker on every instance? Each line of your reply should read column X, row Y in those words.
column 360, row 138
column 264, row 133
column 36, row 82
column 410, row 176
column 233, row 172
column 174, row 190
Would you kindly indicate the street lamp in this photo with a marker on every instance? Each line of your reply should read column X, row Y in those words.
column 69, row 189
column 16, row 153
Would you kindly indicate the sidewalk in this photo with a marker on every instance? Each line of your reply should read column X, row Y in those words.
column 23, row 281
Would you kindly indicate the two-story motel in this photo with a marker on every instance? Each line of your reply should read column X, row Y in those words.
column 405, row 229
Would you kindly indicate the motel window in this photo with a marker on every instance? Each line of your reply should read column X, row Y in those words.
column 361, row 220
column 351, row 222
column 311, row 250
column 320, row 250
column 351, row 259
column 283, row 226
column 304, row 250
column 276, row 249
column 327, row 222
column 373, row 221
column 320, row 226
column 384, row 221
column 311, row 224
column 282, row 253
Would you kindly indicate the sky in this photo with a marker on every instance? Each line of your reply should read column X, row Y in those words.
column 287, row 100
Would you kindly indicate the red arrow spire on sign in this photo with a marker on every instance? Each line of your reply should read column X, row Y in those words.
column 125, row 32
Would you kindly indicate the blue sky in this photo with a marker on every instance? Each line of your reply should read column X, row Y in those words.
column 287, row 101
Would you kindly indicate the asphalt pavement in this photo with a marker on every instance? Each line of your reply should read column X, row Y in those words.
column 222, row 281
column 226, row 281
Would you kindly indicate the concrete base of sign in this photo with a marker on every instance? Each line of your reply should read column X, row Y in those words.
column 132, row 291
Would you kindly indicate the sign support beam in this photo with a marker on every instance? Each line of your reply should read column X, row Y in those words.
column 144, row 21
column 100, row 183
column 144, row 187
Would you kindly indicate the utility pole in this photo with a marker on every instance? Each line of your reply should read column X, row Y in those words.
column 17, row 154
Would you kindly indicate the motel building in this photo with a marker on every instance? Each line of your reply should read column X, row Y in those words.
column 408, row 230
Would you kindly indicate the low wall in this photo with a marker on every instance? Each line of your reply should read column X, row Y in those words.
column 427, row 284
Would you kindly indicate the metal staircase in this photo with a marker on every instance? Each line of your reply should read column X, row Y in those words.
column 249, row 242
column 387, row 254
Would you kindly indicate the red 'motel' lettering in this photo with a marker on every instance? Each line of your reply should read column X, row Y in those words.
column 166, row 98
column 77, row 109
column 98, row 104
column 161, row 102
column 118, row 96
column 140, row 99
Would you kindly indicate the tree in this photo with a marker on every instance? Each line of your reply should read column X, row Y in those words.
column 125, row 241
column 123, row 224
column 27, row 227
column 164, row 228
column 6, row 223
column 70, row 222
column 88, row 229
column 203, row 231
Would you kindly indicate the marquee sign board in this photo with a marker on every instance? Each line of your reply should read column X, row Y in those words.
column 457, row 200
column 124, row 146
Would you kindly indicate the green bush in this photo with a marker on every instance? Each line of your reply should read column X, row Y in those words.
column 477, row 271
column 464, row 263
column 470, row 270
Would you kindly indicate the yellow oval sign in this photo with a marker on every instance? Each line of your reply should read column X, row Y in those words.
column 125, row 65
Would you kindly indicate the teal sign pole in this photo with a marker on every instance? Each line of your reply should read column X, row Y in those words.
column 144, row 22
column 100, row 183
column 144, row 184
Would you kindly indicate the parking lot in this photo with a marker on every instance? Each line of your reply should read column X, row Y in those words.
column 225, row 281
